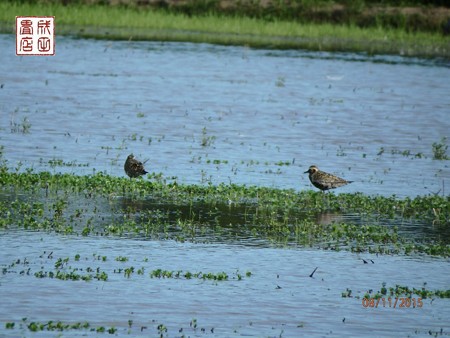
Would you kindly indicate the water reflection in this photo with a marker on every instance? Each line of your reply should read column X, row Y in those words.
column 239, row 222
column 330, row 217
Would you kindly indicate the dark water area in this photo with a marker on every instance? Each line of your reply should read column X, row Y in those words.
column 207, row 114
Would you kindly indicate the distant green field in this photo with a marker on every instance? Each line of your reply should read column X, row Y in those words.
column 112, row 22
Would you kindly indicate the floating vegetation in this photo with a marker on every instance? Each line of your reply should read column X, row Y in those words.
column 401, row 291
column 85, row 327
column 64, row 272
column 61, row 163
column 80, row 270
column 283, row 163
column 216, row 162
column 440, row 150
column 405, row 153
column 281, row 81
column 57, row 326
column 207, row 140
column 20, row 127
column 73, row 275
column 161, row 208
column 221, row 276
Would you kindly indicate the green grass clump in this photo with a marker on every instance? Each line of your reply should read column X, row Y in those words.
column 440, row 150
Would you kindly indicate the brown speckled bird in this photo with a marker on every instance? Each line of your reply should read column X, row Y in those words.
column 324, row 181
column 133, row 167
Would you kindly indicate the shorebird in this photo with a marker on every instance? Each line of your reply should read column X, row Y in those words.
column 324, row 181
column 133, row 167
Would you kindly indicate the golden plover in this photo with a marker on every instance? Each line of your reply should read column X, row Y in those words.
column 324, row 181
column 133, row 167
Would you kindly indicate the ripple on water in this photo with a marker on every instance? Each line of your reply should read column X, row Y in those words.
column 233, row 117
column 279, row 295
column 217, row 114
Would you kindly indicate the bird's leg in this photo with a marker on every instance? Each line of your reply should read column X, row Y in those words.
column 326, row 199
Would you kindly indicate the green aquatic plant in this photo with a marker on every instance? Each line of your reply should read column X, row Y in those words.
column 72, row 275
column 20, row 127
column 128, row 271
column 220, row 276
column 406, row 153
column 3, row 162
column 78, row 271
column 207, row 140
column 63, row 271
column 121, row 259
column 164, row 209
column 283, row 163
column 347, row 293
column 440, row 150
column 60, row 263
column 61, row 163
column 280, row 82
column 405, row 291
column 162, row 329
column 217, row 162
column 59, row 326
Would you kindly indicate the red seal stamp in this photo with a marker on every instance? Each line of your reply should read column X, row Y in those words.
column 35, row 35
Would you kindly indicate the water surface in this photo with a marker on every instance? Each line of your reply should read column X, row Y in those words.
column 278, row 299
column 206, row 113
column 202, row 114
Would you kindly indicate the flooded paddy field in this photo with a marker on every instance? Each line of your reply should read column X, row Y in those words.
column 268, row 291
column 225, row 237
column 206, row 113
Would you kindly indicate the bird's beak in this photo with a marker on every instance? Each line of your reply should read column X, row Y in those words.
column 306, row 172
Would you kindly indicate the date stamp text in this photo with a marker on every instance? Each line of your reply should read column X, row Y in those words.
column 397, row 302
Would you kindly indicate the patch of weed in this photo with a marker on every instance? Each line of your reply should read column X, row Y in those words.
column 440, row 150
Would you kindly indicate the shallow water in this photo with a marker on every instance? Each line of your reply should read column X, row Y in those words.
column 279, row 298
column 216, row 114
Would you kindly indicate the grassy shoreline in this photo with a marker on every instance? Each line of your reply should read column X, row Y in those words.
column 120, row 23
